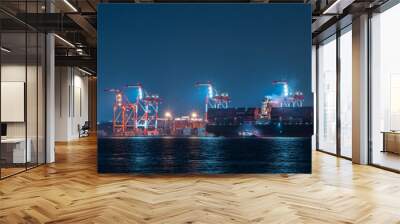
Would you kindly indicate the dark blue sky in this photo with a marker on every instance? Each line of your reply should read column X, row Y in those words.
column 241, row 48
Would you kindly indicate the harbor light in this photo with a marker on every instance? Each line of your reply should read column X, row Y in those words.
column 168, row 115
column 285, row 90
column 210, row 92
column 194, row 115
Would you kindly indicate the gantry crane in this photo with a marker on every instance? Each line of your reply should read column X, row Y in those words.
column 146, row 110
column 286, row 98
column 123, row 113
column 213, row 99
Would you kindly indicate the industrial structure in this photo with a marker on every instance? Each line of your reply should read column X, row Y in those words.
column 146, row 110
column 140, row 117
column 281, row 114
column 284, row 98
column 213, row 99
column 124, row 113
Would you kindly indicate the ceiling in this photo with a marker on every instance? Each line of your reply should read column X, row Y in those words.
column 75, row 21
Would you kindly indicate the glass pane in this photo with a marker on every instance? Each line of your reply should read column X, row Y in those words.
column 31, row 98
column 41, row 98
column 346, row 94
column 13, row 86
column 31, row 88
column 385, row 84
column 327, row 96
column 314, row 90
column 22, row 89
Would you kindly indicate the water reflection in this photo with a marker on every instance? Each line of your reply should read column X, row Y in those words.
column 204, row 155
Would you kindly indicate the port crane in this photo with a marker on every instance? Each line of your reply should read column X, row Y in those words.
column 123, row 112
column 213, row 99
column 146, row 116
column 286, row 98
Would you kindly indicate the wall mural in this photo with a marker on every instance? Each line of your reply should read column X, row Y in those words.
column 204, row 88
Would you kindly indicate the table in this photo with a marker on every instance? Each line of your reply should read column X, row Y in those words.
column 17, row 148
column 391, row 141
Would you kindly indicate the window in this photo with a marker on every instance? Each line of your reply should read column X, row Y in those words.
column 327, row 95
column 385, row 89
column 346, row 92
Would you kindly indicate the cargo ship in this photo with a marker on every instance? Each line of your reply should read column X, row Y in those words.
column 247, row 122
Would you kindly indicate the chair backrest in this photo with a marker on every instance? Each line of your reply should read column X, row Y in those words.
column 86, row 125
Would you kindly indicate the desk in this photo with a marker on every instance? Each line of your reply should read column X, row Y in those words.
column 16, row 147
column 391, row 141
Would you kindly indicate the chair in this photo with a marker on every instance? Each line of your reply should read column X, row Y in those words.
column 84, row 130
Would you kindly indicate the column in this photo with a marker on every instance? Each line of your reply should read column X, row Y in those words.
column 360, row 90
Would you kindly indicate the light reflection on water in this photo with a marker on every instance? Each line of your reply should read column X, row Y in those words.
column 204, row 155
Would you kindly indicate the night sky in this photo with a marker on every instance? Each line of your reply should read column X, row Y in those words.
column 241, row 48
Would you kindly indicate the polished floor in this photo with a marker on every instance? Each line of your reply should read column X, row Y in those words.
column 5, row 172
column 9, row 171
column 71, row 191
column 387, row 159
